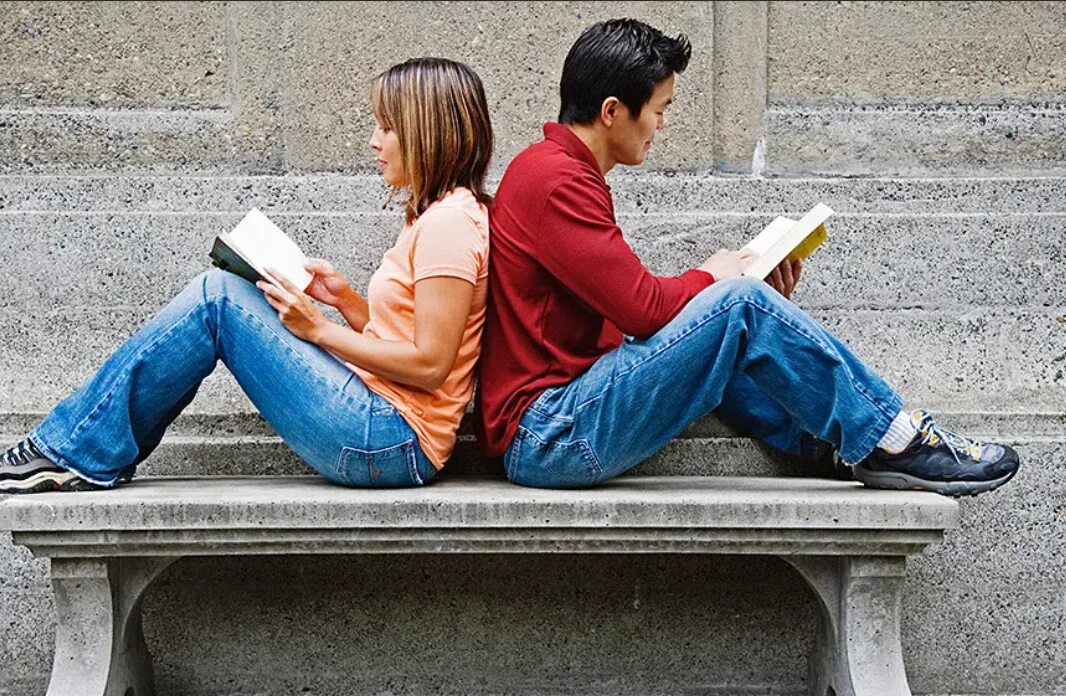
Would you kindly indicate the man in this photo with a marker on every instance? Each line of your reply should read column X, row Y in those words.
column 590, row 363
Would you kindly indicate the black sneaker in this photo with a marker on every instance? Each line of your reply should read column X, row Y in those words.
column 23, row 469
column 939, row 461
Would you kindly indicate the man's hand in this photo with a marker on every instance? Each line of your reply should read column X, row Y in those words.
column 785, row 276
column 327, row 286
column 727, row 264
column 295, row 309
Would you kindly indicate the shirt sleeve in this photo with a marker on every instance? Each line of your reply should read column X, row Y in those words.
column 448, row 244
column 581, row 245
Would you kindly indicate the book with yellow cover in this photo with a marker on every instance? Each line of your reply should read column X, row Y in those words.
column 785, row 238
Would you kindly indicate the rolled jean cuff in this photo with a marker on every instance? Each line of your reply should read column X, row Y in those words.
column 866, row 446
column 55, row 458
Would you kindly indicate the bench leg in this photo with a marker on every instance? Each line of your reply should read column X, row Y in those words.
column 858, row 651
column 100, row 648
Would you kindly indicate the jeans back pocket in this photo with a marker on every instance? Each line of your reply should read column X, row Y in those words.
column 532, row 461
column 388, row 467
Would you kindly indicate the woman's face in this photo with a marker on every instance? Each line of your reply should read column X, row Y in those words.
column 386, row 145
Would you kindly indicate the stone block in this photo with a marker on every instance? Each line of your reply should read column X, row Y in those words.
column 869, row 52
column 963, row 360
column 915, row 140
column 878, row 261
column 161, row 55
column 337, row 48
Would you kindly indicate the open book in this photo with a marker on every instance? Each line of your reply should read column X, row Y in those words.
column 785, row 238
column 257, row 243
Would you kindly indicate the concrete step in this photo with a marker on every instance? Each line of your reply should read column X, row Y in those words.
column 873, row 260
column 634, row 190
column 969, row 359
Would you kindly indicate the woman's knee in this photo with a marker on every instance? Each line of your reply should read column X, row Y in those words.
column 216, row 284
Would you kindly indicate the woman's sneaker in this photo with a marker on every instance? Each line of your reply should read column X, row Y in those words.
column 939, row 461
column 23, row 469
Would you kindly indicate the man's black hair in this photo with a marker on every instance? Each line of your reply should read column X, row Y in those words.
column 621, row 58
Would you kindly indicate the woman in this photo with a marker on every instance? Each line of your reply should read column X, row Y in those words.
column 373, row 403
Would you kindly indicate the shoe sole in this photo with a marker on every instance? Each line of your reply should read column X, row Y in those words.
column 47, row 481
column 898, row 481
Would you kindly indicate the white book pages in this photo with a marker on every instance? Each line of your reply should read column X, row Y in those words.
column 263, row 244
column 770, row 235
column 782, row 243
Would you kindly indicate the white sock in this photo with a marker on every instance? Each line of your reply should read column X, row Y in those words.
column 899, row 435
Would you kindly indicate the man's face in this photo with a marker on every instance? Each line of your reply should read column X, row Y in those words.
column 631, row 138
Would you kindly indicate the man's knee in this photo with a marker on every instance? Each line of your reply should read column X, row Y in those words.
column 733, row 291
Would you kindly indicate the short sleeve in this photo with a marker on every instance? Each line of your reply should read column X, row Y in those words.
column 448, row 243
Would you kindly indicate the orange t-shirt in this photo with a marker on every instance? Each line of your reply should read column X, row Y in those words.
column 451, row 238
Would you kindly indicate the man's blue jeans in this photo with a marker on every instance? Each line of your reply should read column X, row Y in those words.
column 739, row 349
column 316, row 404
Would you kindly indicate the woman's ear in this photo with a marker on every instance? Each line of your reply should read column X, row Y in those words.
column 609, row 111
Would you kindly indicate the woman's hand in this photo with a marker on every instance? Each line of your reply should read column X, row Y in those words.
column 727, row 264
column 295, row 309
column 327, row 286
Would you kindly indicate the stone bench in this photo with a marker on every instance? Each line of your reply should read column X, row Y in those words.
column 849, row 543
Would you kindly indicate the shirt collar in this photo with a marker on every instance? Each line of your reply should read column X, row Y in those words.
column 572, row 145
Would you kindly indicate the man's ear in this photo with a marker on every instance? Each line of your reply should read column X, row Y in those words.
column 609, row 111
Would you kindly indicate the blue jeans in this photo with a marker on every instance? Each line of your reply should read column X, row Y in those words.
column 739, row 349
column 321, row 408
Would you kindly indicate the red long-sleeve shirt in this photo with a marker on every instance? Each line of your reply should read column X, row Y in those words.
column 564, row 286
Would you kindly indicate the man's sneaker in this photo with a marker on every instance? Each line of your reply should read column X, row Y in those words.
column 23, row 469
column 939, row 461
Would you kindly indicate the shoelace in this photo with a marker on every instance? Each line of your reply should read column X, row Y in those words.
column 932, row 434
column 20, row 454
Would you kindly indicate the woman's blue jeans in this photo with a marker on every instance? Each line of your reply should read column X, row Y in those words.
column 738, row 349
column 316, row 404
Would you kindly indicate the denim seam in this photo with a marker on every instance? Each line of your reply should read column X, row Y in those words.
column 755, row 305
column 412, row 465
column 552, row 416
column 509, row 456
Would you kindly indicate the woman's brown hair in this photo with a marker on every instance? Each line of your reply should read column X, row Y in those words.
column 441, row 117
